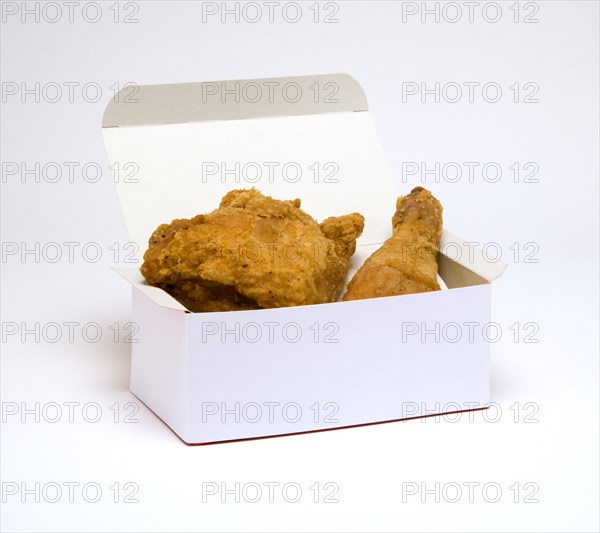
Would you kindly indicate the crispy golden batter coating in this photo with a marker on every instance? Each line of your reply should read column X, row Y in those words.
column 253, row 252
column 407, row 262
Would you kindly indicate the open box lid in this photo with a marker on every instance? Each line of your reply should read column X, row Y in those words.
column 177, row 149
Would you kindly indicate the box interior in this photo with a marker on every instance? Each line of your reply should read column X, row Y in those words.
column 179, row 152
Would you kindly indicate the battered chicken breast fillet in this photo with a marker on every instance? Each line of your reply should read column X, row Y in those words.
column 253, row 252
column 407, row 262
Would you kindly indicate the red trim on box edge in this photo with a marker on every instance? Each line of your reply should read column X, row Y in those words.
column 309, row 431
column 324, row 429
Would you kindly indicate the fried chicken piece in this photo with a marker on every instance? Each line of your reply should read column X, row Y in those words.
column 406, row 263
column 253, row 252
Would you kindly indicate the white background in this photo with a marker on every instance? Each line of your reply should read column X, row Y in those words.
column 555, row 380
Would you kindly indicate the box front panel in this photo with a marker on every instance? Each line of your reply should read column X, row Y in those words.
column 280, row 371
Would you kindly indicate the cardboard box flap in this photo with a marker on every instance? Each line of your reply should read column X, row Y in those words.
column 234, row 100
column 175, row 156
column 162, row 298
column 478, row 268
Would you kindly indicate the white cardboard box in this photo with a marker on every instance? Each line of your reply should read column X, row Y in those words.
column 216, row 377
